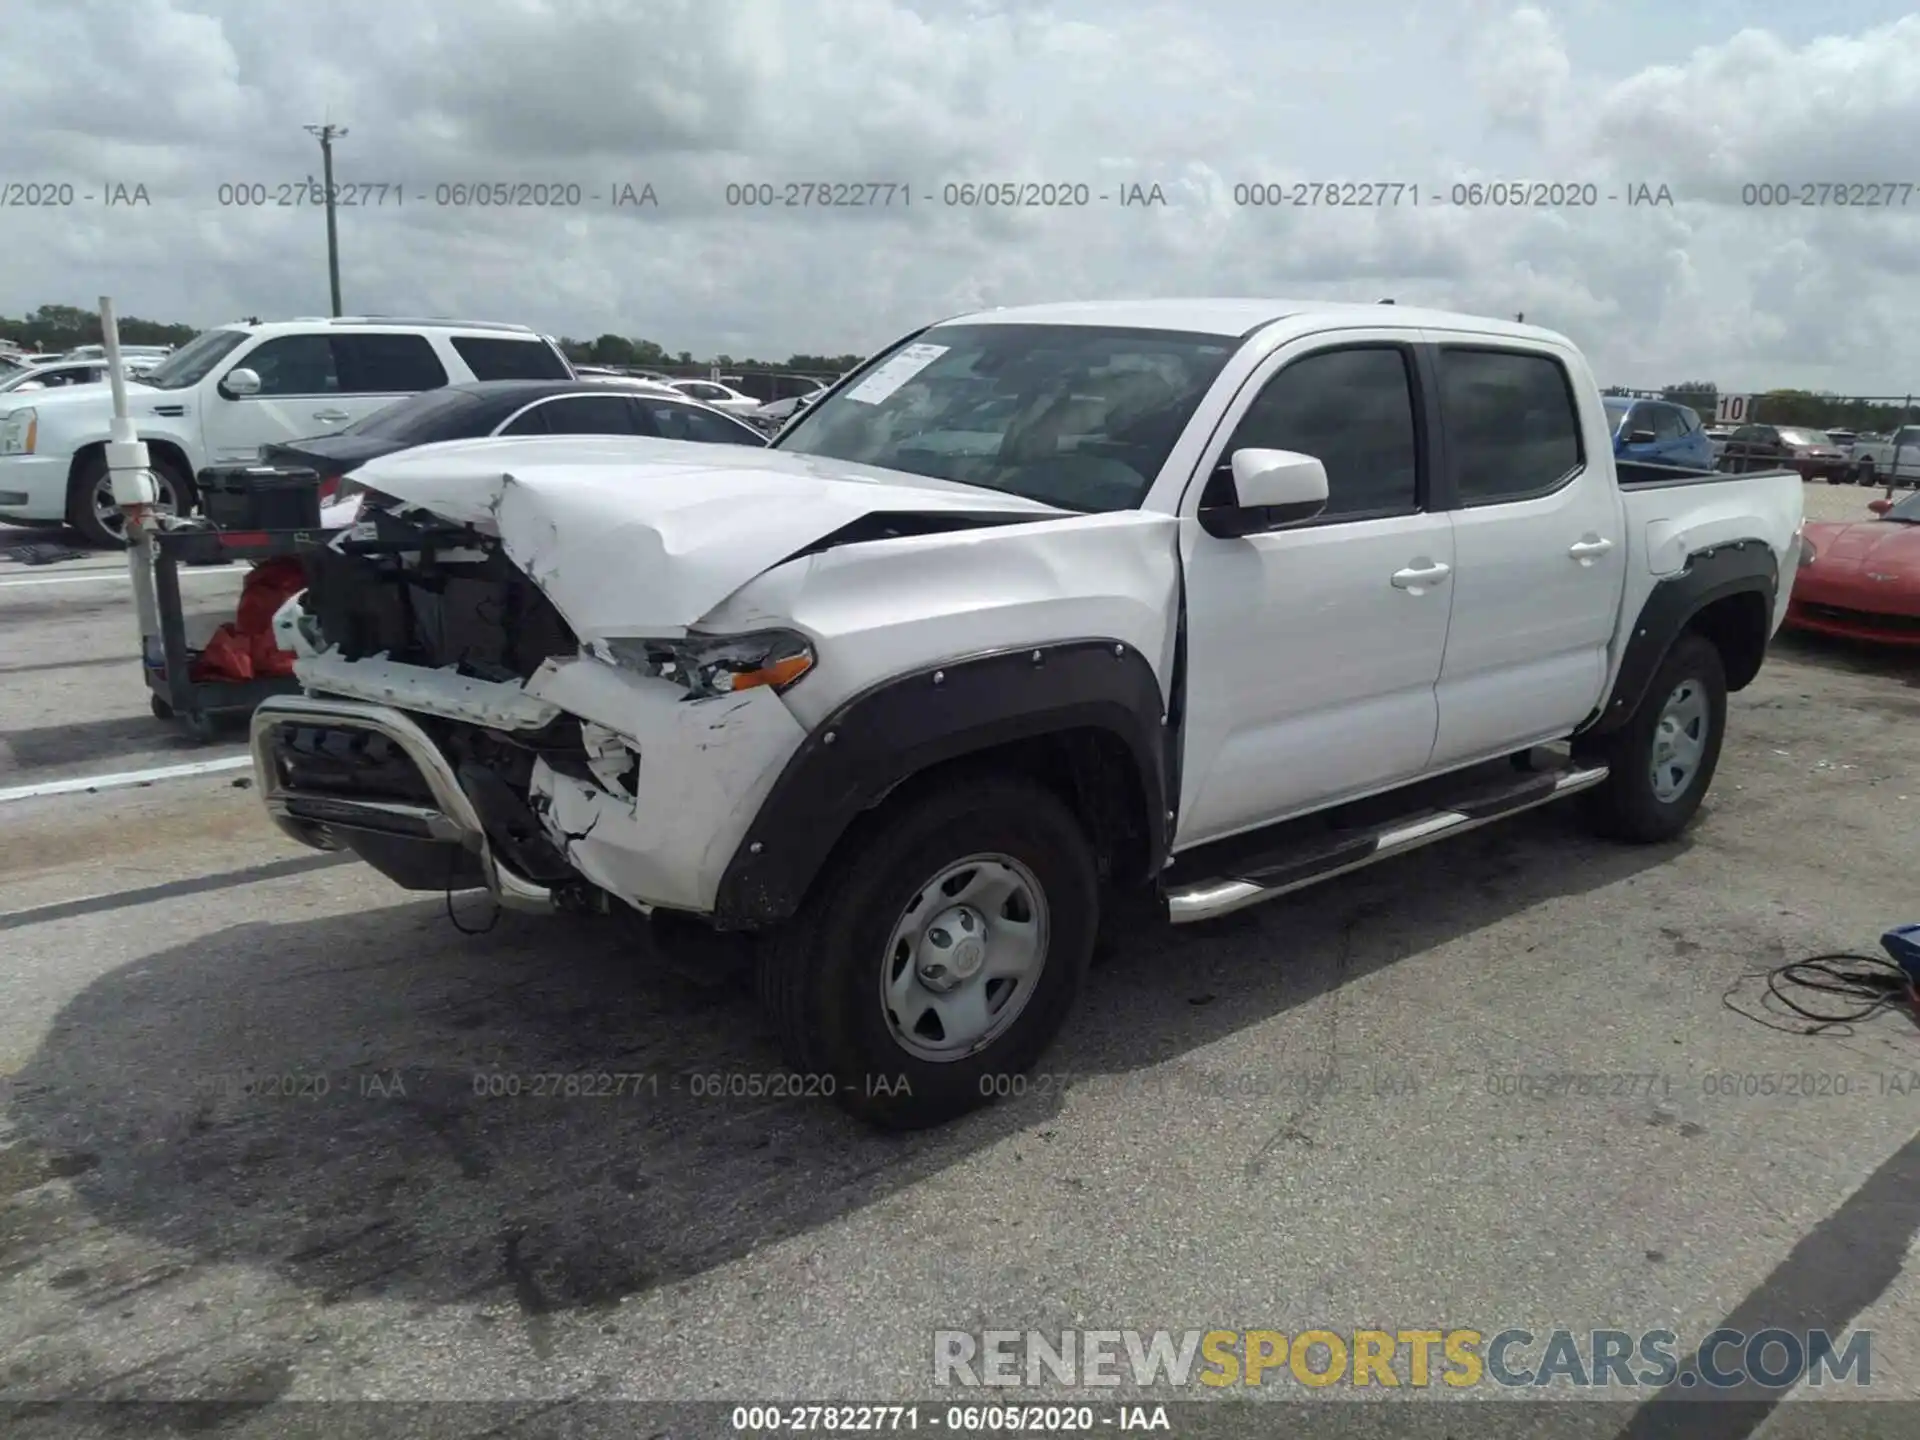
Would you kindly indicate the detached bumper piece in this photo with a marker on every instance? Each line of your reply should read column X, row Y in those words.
column 345, row 775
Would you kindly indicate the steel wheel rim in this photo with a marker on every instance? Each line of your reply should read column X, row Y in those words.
column 964, row 958
column 107, row 514
column 1680, row 740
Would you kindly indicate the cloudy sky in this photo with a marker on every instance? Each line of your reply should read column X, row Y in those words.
column 1199, row 97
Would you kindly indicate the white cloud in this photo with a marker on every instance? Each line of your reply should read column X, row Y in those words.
column 187, row 95
column 1521, row 70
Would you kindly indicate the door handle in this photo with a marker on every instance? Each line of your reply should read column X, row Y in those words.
column 330, row 415
column 1585, row 551
column 1416, row 576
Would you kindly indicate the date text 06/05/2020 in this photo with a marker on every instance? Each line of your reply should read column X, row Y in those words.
column 459, row 194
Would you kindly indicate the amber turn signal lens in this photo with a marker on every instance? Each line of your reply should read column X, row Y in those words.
column 778, row 674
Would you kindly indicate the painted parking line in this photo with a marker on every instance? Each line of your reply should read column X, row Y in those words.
column 126, row 778
column 119, row 576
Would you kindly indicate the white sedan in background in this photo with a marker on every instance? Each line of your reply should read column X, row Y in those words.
column 720, row 397
column 66, row 372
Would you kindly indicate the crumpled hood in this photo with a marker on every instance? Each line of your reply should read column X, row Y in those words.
column 641, row 537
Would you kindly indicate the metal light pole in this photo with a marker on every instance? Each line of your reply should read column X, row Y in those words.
column 328, row 134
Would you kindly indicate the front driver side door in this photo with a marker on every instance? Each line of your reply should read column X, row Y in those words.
column 1313, row 651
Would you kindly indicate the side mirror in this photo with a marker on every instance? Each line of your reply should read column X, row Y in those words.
column 1271, row 488
column 240, row 382
column 1642, row 437
column 1880, row 507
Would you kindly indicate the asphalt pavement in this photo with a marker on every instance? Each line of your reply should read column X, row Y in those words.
column 275, row 1130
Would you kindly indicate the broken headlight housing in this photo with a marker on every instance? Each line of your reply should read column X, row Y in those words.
column 710, row 665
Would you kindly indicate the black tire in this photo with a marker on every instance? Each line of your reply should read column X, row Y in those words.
column 820, row 973
column 1865, row 472
column 161, row 709
column 87, row 477
column 1626, row 807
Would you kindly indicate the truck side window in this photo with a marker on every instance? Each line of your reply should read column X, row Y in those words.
column 1668, row 423
column 1352, row 410
column 1511, row 427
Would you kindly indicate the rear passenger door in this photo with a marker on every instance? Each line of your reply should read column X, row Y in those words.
column 1540, row 550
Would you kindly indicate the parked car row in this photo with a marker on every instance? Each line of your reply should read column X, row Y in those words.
column 238, row 390
column 1839, row 457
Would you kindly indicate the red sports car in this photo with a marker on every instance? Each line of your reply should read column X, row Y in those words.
column 1862, row 579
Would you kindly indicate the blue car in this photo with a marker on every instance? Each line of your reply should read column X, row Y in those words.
column 1658, row 432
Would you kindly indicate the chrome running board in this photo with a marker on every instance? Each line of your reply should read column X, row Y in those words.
column 1265, row 877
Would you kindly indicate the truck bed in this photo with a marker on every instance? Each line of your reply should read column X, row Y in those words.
column 1646, row 475
column 1673, row 514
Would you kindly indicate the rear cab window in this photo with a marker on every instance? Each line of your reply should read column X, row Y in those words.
column 1511, row 424
column 493, row 358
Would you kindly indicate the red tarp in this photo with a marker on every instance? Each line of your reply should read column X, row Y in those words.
column 243, row 648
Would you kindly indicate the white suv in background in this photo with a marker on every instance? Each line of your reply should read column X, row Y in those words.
column 219, row 399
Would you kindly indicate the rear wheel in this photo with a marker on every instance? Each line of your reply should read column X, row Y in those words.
column 1865, row 469
column 940, row 955
column 1662, row 760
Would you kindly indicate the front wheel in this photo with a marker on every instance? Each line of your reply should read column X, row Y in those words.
column 1662, row 760
column 940, row 955
column 1865, row 472
column 90, row 507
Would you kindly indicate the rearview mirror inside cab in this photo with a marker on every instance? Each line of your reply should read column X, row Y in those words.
column 1269, row 488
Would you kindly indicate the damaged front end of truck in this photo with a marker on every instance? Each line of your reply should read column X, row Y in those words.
column 506, row 686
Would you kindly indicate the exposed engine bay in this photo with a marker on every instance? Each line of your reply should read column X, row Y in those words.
column 423, row 592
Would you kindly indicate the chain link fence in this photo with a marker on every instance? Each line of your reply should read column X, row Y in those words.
column 1862, row 414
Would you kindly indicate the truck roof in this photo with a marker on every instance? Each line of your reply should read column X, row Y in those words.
column 1239, row 317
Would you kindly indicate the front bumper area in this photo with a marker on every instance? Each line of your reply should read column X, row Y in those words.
column 33, row 487
column 1848, row 623
column 420, row 829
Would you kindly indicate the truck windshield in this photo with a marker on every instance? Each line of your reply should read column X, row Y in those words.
column 1077, row 416
column 189, row 365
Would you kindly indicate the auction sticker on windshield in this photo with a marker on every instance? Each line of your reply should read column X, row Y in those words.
column 895, row 373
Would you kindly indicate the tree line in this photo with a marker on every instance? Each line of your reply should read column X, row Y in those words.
column 618, row 350
column 55, row 329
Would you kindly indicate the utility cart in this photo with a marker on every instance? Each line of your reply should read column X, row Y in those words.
column 253, row 513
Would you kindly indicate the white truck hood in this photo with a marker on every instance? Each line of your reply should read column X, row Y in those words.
column 637, row 537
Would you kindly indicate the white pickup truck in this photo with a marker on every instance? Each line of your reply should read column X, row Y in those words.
column 1890, row 460
column 1038, row 609
column 233, row 390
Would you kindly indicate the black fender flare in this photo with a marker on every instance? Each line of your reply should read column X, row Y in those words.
column 1709, row 576
column 898, row 728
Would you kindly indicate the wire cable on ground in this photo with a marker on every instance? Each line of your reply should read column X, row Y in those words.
column 1861, row 987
